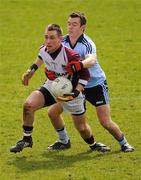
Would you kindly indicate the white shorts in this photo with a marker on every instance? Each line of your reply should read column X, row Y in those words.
column 76, row 106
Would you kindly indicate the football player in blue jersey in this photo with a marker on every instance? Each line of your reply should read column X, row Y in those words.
column 96, row 91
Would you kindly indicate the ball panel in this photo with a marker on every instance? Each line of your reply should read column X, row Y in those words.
column 60, row 86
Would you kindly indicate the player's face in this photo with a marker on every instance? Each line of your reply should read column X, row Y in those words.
column 74, row 27
column 52, row 41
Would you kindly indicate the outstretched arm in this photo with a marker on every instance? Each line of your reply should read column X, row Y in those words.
column 75, row 66
column 89, row 61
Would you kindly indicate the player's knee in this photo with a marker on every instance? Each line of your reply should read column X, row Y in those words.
column 82, row 129
column 106, row 123
column 50, row 113
column 27, row 107
column 54, row 112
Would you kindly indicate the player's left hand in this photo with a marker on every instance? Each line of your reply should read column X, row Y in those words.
column 69, row 96
column 73, row 67
column 26, row 76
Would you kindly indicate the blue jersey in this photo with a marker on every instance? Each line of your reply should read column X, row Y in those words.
column 85, row 46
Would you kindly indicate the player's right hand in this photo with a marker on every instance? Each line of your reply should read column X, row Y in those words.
column 26, row 76
column 50, row 74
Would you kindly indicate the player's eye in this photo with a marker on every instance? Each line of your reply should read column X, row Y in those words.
column 46, row 36
column 52, row 37
column 74, row 24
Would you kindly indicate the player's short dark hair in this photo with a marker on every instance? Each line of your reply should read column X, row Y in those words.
column 55, row 27
column 80, row 15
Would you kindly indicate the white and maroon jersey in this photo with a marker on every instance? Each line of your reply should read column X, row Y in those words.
column 57, row 60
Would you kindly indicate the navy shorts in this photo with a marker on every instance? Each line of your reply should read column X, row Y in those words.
column 98, row 95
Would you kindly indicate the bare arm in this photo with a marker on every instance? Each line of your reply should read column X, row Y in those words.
column 29, row 73
column 38, row 62
column 80, row 87
column 89, row 61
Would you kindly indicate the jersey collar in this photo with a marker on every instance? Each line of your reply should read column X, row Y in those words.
column 55, row 54
column 78, row 40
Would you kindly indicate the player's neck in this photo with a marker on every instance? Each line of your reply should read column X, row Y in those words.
column 73, row 39
column 56, row 50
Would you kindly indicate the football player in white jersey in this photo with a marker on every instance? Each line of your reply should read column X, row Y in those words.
column 96, row 91
column 55, row 56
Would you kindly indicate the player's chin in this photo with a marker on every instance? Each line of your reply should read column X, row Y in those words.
column 71, row 33
column 50, row 49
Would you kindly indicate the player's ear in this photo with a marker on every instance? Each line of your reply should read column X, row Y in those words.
column 83, row 27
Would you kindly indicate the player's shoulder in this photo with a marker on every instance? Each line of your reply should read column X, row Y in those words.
column 65, row 38
column 88, row 42
column 42, row 47
column 88, row 39
column 71, row 53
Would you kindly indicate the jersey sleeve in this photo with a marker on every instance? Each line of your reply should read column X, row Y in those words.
column 72, row 55
column 40, row 54
column 84, row 76
column 90, row 49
